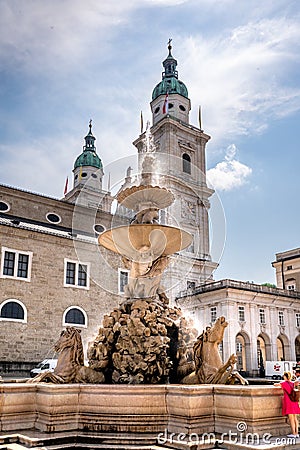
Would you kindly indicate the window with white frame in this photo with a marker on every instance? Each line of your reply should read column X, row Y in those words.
column 290, row 284
column 76, row 274
column 16, row 264
column 213, row 314
column 262, row 316
column 298, row 320
column 13, row 310
column 123, row 276
column 280, row 318
column 239, row 347
column 75, row 315
column 241, row 314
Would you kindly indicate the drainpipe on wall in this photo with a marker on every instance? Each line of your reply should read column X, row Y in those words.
column 282, row 276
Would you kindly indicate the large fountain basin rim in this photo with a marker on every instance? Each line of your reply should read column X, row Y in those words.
column 127, row 240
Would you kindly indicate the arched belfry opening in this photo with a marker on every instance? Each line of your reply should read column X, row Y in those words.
column 186, row 163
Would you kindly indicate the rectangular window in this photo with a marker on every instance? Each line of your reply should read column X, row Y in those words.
column 82, row 275
column 23, row 266
column 241, row 314
column 76, row 274
column 289, row 268
column 298, row 320
column 213, row 314
column 16, row 264
column 291, row 287
column 280, row 318
column 262, row 317
column 70, row 274
column 9, row 264
column 123, row 280
column 239, row 347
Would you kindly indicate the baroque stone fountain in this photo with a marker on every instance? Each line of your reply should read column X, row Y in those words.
column 144, row 340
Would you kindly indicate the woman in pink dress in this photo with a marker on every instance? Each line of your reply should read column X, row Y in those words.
column 289, row 408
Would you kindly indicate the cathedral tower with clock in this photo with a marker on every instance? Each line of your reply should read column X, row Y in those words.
column 180, row 149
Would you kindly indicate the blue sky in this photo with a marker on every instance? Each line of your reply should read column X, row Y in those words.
column 66, row 61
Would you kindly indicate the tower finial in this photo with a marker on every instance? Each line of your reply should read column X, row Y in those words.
column 169, row 46
column 90, row 125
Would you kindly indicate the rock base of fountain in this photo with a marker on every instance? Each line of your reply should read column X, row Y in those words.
column 145, row 341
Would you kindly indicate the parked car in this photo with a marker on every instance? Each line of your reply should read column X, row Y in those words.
column 47, row 365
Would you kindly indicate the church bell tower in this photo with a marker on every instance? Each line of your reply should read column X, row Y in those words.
column 180, row 150
column 87, row 178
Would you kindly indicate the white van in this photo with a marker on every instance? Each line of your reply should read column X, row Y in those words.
column 275, row 369
column 47, row 365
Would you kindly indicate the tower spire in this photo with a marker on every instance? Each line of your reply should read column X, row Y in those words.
column 170, row 64
column 90, row 140
column 170, row 46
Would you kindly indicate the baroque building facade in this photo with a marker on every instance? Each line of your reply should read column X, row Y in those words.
column 263, row 321
column 54, row 274
column 287, row 267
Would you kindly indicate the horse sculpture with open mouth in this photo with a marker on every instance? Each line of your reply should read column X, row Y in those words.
column 209, row 367
column 70, row 364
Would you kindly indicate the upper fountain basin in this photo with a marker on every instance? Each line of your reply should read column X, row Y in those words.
column 141, row 197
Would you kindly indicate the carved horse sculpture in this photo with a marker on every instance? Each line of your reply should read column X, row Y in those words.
column 70, row 364
column 209, row 367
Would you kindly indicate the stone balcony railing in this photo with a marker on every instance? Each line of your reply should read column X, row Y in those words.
column 241, row 285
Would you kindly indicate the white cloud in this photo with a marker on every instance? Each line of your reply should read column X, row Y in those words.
column 241, row 77
column 228, row 174
column 53, row 35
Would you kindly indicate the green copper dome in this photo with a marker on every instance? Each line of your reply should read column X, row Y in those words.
column 89, row 156
column 170, row 83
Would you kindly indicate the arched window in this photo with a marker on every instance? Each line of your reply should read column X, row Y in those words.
column 186, row 163
column 13, row 310
column 75, row 316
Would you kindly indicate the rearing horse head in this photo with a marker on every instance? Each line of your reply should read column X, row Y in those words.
column 215, row 333
column 71, row 338
column 211, row 335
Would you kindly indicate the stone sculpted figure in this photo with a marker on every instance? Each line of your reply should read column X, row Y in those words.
column 70, row 365
column 145, row 275
column 209, row 367
column 149, row 215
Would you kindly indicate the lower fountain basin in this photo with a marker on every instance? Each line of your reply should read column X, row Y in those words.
column 138, row 417
column 130, row 241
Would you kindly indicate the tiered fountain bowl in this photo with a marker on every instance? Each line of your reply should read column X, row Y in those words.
column 145, row 232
